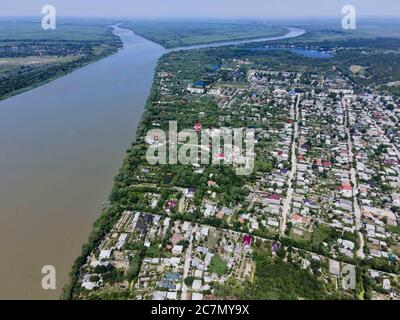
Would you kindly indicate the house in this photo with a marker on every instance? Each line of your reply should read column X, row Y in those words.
column 375, row 253
column 305, row 264
column 170, row 204
column 196, row 285
column 197, row 127
column 172, row 295
column 121, row 240
column 275, row 199
column 247, row 240
column 190, row 193
column 345, row 204
column 334, row 267
column 197, row 296
column 87, row 283
column 177, row 250
column 297, row 219
column 159, row 295
column 211, row 183
column 326, row 164
column 208, row 258
column 209, row 210
column 105, row 254
column 198, row 87
column 386, row 284
column 142, row 228
column 273, row 222
column 396, row 199
column 227, row 211
column 204, row 231
column 346, row 244
column 275, row 246
column 346, row 190
column 148, row 218
column 198, row 274
column 193, row 89
column 197, row 264
column 172, row 276
column 169, row 281
column 219, row 215
column 202, row 250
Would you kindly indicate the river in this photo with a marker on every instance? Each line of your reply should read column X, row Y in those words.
column 62, row 144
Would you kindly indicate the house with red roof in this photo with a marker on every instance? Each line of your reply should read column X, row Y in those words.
column 346, row 186
column 170, row 204
column 211, row 183
column 247, row 240
column 296, row 219
column 275, row 199
column 197, row 126
column 346, row 189
column 318, row 162
column 300, row 157
column 327, row 164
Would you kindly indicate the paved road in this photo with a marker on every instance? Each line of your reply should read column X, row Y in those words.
column 357, row 211
column 188, row 259
column 289, row 195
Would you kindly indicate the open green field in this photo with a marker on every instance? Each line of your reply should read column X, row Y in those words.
column 68, row 29
column 172, row 34
column 15, row 62
column 328, row 30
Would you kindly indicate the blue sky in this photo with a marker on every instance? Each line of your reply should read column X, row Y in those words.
column 202, row 8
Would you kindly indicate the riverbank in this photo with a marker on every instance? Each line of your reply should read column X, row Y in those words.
column 62, row 73
column 16, row 74
column 177, row 34
column 111, row 215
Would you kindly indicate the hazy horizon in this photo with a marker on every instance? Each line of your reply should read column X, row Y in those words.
column 206, row 9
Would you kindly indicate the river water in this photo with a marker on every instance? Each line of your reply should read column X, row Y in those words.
column 61, row 145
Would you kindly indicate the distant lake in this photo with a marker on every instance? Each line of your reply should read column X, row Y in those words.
column 309, row 53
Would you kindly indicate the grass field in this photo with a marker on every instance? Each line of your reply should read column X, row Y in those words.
column 218, row 265
column 172, row 34
column 34, row 60
column 332, row 30
column 68, row 29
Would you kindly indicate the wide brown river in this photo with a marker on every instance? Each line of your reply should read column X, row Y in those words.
column 61, row 144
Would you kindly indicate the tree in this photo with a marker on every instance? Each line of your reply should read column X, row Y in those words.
column 189, row 281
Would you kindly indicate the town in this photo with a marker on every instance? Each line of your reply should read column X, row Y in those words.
column 323, row 199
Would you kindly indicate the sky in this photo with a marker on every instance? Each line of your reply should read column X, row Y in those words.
column 201, row 8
